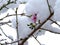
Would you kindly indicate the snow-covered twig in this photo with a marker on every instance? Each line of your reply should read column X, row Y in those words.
column 13, row 42
column 22, row 39
column 49, row 6
column 17, row 25
column 36, row 39
column 49, row 30
column 38, row 27
column 4, row 6
column 10, row 15
column 51, row 14
column 2, row 23
column 3, row 40
column 54, row 22
column 5, row 34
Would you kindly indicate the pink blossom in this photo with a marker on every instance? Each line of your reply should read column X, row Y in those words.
column 34, row 18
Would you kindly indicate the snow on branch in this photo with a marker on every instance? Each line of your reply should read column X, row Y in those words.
column 2, row 23
column 51, row 14
column 49, row 30
column 54, row 22
column 5, row 34
column 11, row 15
column 17, row 25
column 25, row 19
column 4, row 5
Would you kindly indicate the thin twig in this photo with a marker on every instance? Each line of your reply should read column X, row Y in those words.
column 17, row 25
column 49, row 30
column 54, row 22
column 3, row 40
column 9, row 25
column 36, row 39
column 2, row 23
column 5, row 34
column 51, row 14
column 6, row 5
column 14, row 42
column 10, row 15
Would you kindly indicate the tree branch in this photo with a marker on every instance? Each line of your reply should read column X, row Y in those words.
column 39, row 26
column 2, row 23
column 4, row 6
column 51, row 14
column 36, row 40
column 11, row 15
column 4, row 33
column 54, row 22
column 50, row 31
column 17, row 25
column 2, row 40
